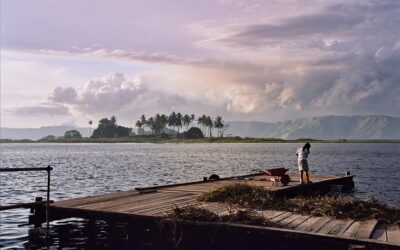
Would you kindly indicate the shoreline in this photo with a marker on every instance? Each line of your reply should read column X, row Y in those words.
column 154, row 139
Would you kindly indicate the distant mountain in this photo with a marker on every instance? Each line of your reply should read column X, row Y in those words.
column 38, row 133
column 324, row 127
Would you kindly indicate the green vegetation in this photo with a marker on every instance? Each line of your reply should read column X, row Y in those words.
column 72, row 134
column 253, row 197
column 196, row 214
column 161, row 124
column 108, row 128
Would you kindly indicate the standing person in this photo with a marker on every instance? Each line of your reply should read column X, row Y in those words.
column 302, row 155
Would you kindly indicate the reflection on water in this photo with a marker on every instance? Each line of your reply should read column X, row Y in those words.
column 86, row 169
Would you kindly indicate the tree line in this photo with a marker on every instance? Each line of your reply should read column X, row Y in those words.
column 175, row 121
column 158, row 124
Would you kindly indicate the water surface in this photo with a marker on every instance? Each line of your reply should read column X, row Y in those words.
column 87, row 169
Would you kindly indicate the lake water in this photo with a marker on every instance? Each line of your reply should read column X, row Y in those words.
column 87, row 169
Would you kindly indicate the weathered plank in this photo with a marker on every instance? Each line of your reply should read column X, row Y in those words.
column 136, row 200
column 318, row 224
column 270, row 214
column 298, row 221
column 328, row 227
column 303, row 226
column 289, row 219
column 352, row 230
column 393, row 235
column 96, row 198
column 136, row 195
column 380, row 234
column 366, row 229
column 340, row 228
column 149, row 207
column 281, row 217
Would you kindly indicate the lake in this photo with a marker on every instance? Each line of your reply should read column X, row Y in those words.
column 87, row 169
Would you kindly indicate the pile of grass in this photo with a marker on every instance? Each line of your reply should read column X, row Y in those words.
column 197, row 214
column 254, row 197
column 192, row 213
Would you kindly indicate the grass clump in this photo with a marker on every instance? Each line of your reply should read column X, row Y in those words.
column 254, row 197
column 192, row 213
column 241, row 194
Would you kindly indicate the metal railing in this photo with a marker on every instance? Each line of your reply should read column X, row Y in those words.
column 31, row 204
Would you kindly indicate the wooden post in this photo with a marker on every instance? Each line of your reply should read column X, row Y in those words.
column 36, row 218
column 48, row 198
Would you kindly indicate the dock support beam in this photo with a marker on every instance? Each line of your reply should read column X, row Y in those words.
column 38, row 214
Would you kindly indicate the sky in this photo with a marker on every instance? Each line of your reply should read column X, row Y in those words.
column 67, row 62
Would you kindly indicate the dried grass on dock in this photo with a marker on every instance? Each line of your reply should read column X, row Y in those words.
column 197, row 214
column 254, row 197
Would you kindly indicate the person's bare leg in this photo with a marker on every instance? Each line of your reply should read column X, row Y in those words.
column 301, row 177
column 308, row 177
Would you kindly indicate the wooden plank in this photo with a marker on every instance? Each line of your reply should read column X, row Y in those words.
column 187, row 201
column 380, row 234
column 107, row 198
column 131, row 201
column 281, row 217
column 270, row 214
column 329, row 226
column 306, row 224
column 289, row 219
column 366, row 229
column 393, row 235
column 318, row 224
column 352, row 230
column 160, row 207
column 340, row 228
column 298, row 221
column 96, row 198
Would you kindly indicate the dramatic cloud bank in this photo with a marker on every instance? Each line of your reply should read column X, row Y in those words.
column 245, row 60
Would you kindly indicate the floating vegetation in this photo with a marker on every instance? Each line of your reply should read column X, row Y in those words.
column 197, row 214
column 254, row 197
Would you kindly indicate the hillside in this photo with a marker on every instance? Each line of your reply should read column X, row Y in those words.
column 325, row 127
column 38, row 133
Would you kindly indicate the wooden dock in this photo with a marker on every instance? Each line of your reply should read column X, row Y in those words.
column 152, row 204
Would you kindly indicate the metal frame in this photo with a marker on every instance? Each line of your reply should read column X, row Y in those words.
column 31, row 204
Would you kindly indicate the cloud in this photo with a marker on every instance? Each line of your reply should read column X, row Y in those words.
column 333, row 27
column 40, row 110
column 114, row 94
column 63, row 95
column 120, row 54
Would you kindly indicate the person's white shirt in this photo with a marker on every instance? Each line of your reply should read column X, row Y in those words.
column 302, row 155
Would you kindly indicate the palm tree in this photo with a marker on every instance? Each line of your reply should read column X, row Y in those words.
column 210, row 124
column 172, row 120
column 186, row 121
column 113, row 121
column 164, row 121
column 219, row 124
column 192, row 118
column 178, row 121
column 202, row 120
column 150, row 124
column 143, row 120
column 139, row 124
